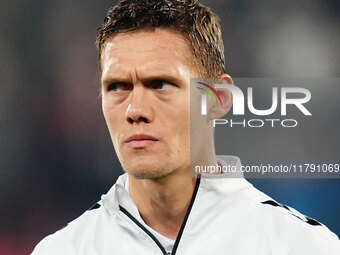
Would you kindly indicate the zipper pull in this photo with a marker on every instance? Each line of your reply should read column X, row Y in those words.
column 168, row 253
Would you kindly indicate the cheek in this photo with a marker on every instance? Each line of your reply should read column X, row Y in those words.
column 108, row 113
column 180, row 127
column 105, row 107
column 112, row 110
column 113, row 118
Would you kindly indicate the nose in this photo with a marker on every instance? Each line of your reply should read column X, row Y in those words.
column 139, row 109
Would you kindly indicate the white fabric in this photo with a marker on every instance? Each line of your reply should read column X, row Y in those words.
column 167, row 243
column 227, row 217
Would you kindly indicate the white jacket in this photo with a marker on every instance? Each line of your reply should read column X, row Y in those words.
column 226, row 216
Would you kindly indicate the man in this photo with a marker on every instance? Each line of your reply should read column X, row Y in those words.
column 149, row 50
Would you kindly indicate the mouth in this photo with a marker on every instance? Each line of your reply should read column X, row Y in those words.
column 140, row 141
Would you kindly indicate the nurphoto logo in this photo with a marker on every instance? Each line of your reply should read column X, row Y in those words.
column 239, row 104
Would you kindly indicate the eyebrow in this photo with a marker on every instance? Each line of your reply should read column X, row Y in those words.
column 113, row 79
column 170, row 78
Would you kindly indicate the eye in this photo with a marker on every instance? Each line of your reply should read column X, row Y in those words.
column 118, row 87
column 161, row 85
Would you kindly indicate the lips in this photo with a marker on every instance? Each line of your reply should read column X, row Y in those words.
column 140, row 141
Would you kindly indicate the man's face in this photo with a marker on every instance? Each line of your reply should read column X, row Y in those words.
column 145, row 100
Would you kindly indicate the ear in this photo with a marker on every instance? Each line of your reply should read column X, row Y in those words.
column 217, row 111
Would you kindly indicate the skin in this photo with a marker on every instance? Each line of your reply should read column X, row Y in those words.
column 146, row 90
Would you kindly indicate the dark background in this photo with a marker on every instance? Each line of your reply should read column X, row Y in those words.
column 56, row 157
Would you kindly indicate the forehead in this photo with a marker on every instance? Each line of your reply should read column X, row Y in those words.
column 161, row 49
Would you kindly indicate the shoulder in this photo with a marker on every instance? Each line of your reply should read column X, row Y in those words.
column 289, row 228
column 64, row 240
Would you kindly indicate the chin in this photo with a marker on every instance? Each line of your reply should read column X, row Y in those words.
column 148, row 171
column 142, row 175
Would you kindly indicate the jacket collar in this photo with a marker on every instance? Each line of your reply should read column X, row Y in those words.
column 225, row 183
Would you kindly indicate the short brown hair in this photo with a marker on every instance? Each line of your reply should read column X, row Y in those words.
column 194, row 21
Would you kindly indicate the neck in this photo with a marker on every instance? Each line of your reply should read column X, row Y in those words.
column 163, row 202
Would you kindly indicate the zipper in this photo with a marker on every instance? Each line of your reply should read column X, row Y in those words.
column 143, row 228
column 178, row 238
